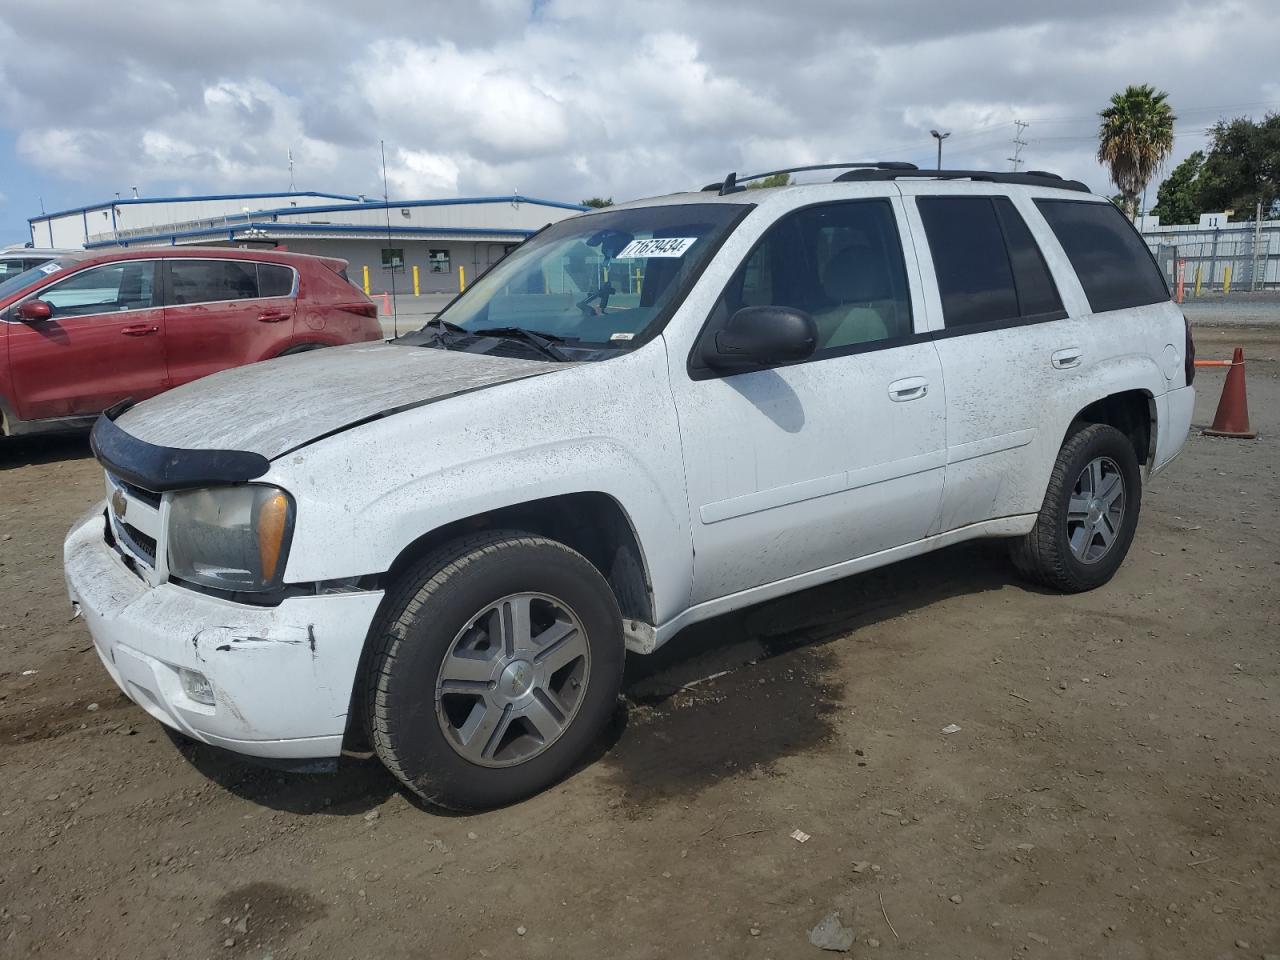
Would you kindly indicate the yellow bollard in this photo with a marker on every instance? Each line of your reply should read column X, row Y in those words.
column 462, row 278
column 1226, row 280
column 415, row 279
column 1197, row 280
column 365, row 268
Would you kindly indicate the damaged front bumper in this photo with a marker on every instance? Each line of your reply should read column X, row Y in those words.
column 281, row 677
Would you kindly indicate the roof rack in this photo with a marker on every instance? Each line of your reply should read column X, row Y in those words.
column 733, row 183
column 1032, row 178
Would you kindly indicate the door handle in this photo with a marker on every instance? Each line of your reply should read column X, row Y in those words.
column 139, row 330
column 272, row 316
column 1067, row 358
column 910, row 388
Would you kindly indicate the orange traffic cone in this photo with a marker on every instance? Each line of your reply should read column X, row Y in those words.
column 1232, row 418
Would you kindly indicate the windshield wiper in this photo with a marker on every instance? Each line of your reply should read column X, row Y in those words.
column 545, row 343
column 443, row 327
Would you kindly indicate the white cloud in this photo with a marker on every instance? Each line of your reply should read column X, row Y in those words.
column 571, row 98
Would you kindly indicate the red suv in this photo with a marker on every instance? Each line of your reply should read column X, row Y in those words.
column 83, row 331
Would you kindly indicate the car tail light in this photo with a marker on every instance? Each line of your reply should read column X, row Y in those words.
column 1189, row 353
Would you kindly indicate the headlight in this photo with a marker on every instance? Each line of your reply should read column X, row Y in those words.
column 231, row 538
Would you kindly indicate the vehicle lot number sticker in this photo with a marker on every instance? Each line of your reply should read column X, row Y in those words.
column 50, row 267
column 657, row 247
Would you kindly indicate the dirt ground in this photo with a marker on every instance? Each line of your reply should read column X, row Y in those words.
column 1114, row 789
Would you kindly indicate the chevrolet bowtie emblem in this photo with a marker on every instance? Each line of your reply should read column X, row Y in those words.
column 118, row 503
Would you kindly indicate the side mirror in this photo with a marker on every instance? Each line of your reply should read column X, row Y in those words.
column 763, row 336
column 34, row 311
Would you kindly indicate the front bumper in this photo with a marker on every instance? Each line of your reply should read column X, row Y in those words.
column 282, row 676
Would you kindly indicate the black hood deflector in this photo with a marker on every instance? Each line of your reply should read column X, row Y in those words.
column 159, row 468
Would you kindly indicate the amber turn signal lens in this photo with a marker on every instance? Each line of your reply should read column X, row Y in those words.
column 273, row 520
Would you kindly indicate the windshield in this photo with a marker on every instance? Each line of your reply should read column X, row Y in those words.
column 18, row 281
column 592, row 283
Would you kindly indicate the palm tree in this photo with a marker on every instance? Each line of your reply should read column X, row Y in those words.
column 1135, row 138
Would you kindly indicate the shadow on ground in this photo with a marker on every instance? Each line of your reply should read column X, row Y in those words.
column 29, row 451
column 744, row 690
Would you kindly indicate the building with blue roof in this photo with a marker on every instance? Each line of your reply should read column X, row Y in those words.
column 435, row 243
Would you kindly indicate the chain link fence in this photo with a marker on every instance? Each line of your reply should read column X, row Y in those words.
column 1235, row 258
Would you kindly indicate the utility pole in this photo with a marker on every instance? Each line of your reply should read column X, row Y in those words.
column 1018, row 143
column 291, row 169
column 939, row 137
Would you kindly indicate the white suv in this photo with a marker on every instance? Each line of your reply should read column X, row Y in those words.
column 439, row 548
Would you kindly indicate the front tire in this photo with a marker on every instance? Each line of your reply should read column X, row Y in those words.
column 1089, row 514
column 497, row 662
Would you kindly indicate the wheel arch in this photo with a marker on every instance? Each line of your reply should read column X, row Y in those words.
column 593, row 523
column 1133, row 412
column 590, row 522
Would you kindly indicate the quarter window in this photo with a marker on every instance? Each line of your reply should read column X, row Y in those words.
column 1113, row 263
column 274, row 280
column 210, row 281
column 842, row 263
column 110, row 288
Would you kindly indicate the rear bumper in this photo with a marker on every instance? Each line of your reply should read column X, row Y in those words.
column 1174, row 410
column 282, row 676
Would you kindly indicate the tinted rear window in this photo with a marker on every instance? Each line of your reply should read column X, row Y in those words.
column 1114, row 265
column 274, row 280
column 975, row 279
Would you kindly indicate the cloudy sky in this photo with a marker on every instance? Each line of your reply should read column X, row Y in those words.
column 575, row 98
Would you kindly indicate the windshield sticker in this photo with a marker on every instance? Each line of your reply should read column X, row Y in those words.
column 622, row 336
column 657, row 247
column 50, row 267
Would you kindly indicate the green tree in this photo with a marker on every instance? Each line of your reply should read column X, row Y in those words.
column 1178, row 199
column 598, row 202
column 777, row 180
column 1243, row 166
column 1135, row 137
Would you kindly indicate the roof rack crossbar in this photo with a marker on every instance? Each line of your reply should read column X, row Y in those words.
column 1032, row 178
column 733, row 183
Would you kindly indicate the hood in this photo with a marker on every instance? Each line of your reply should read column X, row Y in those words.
column 276, row 406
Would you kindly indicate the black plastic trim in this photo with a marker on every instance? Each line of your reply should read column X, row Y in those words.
column 287, row 591
column 874, row 345
column 1037, row 179
column 158, row 468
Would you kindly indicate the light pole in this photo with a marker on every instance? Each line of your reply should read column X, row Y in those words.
column 939, row 137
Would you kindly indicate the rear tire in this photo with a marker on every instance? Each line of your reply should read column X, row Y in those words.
column 1089, row 514
column 497, row 662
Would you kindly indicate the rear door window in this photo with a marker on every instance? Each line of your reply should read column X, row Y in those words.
column 274, row 280
column 975, row 279
column 211, row 281
column 1113, row 263
column 110, row 288
column 989, row 269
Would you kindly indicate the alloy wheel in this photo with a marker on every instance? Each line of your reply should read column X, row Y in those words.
column 513, row 679
column 1095, row 511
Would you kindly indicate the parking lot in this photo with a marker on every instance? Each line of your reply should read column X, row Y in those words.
column 1113, row 789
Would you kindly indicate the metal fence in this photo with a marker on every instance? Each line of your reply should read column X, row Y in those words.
column 1239, row 257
